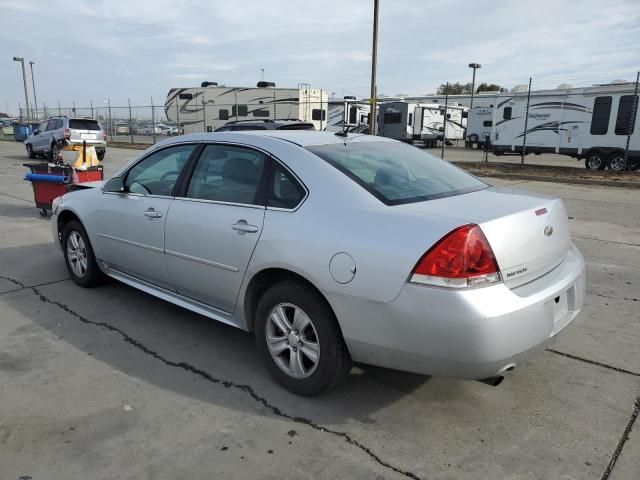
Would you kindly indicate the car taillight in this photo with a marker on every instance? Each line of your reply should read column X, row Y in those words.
column 104, row 136
column 463, row 258
column 67, row 133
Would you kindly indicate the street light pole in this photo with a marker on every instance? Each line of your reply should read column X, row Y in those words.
column 475, row 66
column 24, row 81
column 33, row 83
column 374, row 58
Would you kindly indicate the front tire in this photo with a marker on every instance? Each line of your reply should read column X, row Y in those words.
column 299, row 339
column 79, row 257
column 30, row 153
column 101, row 155
column 595, row 161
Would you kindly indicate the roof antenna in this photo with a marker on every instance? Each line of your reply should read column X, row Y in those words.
column 344, row 132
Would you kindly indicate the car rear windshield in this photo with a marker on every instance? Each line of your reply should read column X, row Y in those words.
column 397, row 173
column 82, row 124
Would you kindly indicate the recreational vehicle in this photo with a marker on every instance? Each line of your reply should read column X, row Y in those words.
column 594, row 123
column 412, row 122
column 348, row 113
column 479, row 125
column 205, row 108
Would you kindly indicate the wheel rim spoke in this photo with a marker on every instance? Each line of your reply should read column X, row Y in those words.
column 279, row 317
column 310, row 350
column 277, row 345
column 300, row 320
column 295, row 363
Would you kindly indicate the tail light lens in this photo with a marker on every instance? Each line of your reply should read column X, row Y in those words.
column 104, row 136
column 461, row 259
column 67, row 133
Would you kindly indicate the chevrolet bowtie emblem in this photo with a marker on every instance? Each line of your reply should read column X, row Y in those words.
column 548, row 230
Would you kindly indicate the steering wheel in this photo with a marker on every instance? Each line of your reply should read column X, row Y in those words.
column 167, row 174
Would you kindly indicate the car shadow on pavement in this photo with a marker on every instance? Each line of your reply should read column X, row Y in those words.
column 174, row 349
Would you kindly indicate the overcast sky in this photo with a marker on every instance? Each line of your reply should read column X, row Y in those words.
column 92, row 50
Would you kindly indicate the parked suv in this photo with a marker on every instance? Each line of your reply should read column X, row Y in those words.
column 56, row 132
column 239, row 125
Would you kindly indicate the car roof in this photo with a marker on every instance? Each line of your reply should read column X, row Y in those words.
column 302, row 138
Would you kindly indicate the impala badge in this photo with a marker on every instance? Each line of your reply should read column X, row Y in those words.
column 548, row 230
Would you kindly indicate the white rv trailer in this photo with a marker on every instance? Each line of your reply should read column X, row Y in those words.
column 479, row 125
column 590, row 123
column 348, row 113
column 412, row 122
column 205, row 108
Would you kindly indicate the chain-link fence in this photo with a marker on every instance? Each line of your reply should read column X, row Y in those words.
column 592, row 123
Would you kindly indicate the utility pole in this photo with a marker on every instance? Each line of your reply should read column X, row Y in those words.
column 374, row 55
column 33, row 83
column 475, row 66
column 24, row 81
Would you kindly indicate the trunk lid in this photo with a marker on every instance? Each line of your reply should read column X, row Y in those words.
column 528, row 233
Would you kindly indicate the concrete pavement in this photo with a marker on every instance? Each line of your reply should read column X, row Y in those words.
column 113, row 383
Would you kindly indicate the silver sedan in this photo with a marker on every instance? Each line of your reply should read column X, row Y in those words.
column 333, row 248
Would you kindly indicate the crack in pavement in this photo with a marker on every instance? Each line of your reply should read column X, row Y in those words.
column 593, row 362
column 614, row 298
column 17, row 198
column 607, row 241
column 623, row 440
column 248, row 389
column 22, row 286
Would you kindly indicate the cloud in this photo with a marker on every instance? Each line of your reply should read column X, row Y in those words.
column 143, row 48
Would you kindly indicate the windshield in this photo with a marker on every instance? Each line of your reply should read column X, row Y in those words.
column 397, row 173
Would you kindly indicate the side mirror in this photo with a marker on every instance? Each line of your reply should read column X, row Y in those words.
column 36, row 132
column 114, row 185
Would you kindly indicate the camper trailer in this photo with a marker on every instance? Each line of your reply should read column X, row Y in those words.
column 205, row 108
column 412, row 122
column 479, row 125
column 594, row 123
column 348, row 113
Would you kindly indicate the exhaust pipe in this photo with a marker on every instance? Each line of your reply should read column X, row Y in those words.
column 493, row 381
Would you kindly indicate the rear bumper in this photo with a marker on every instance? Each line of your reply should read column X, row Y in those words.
column 472, row 334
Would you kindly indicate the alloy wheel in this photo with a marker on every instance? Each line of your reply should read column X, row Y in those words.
column 77, row 254
column 292, row 340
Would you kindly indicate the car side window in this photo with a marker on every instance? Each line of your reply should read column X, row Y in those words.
column 227, row 173
column 284, row 190
column 42, row 127
column 157, row 174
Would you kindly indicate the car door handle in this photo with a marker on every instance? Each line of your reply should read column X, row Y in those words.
column 151, row 213
column 243, row 227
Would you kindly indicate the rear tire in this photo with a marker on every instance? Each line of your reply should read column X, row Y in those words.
column 101, row 155
column 294, row 306
column 78, row 255
column 54, row 151
column 617, row 162
column 473, row 138
column 595, row 161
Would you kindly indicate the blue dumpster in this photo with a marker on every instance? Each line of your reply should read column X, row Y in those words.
column 21, row 131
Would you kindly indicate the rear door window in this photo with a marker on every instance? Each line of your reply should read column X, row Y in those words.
column 227, row 173
column 396, row 173
column 82, row 124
